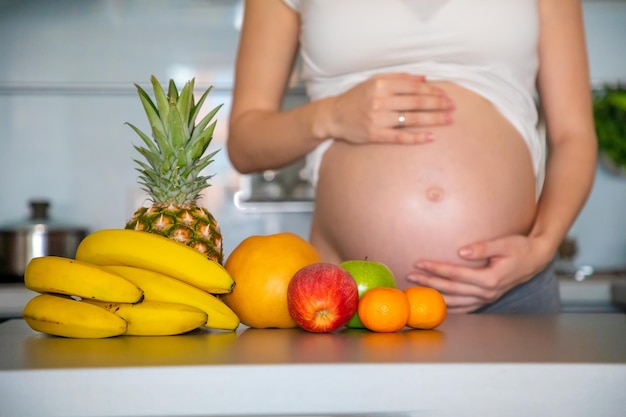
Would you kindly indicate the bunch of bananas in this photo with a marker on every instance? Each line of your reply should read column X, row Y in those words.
column 127, row 282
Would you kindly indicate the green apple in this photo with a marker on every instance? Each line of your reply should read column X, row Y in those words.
column 368, row 275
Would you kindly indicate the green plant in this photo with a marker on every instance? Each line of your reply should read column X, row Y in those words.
column 609, row 112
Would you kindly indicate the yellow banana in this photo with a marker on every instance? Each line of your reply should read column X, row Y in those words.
column 154, row 318
column 156, row 253
column 53, row 274
column 64, row 316
column 160, row 287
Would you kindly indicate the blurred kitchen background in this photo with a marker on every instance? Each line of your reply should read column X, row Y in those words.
column 67, row 69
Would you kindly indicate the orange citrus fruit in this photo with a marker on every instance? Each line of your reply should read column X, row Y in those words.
column 428, row 308
column 384, row 309
column 262, row 267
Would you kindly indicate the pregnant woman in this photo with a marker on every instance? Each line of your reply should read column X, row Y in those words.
column 422, row 135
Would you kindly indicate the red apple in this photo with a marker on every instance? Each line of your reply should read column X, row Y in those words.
column 322, row 297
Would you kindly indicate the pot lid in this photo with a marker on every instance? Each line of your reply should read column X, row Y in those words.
column 39, row 218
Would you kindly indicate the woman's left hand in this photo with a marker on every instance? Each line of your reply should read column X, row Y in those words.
column 510, row 261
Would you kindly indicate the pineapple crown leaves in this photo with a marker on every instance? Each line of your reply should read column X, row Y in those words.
column 174, row 155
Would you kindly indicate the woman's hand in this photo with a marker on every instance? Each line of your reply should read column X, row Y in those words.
column 389, row 108
column 510, row 261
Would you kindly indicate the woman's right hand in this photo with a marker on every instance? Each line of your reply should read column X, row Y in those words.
column 371, row 111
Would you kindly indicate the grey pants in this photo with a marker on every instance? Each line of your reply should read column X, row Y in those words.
column 540, row 295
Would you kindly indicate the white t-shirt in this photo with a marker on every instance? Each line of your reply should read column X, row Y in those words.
column 487, row 46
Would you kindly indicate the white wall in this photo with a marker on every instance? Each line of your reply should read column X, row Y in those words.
column 601, row 228
column 66, row 75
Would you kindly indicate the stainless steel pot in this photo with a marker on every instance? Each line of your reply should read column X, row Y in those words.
column 35, row 237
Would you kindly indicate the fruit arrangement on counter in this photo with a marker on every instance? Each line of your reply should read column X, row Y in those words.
column 164, row 273
column 129, row 282
column 282, row 283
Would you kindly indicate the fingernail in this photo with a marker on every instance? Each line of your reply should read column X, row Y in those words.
column 413, row 279
column 448, row 117
column 451, row 104
column 465, row 251
column 429, row 136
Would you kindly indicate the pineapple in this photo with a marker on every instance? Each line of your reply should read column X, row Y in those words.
column 171, row 177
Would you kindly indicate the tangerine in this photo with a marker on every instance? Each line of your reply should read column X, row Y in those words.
column 262, row 267
column 428, row 307
column 384, row 309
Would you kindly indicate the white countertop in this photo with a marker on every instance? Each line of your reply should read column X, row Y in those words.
column 473, row 365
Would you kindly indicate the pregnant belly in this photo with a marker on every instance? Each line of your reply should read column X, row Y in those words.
column 399, row 204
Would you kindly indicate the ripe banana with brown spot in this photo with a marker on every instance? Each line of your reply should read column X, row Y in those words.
column 156, row 253
column 154, row 318
column 160, row 287
column 53, row 274
column 63, row 316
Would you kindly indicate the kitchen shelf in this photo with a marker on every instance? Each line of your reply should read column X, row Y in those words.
column 108, row 89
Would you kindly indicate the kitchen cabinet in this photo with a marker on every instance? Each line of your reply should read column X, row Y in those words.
column 473, row 365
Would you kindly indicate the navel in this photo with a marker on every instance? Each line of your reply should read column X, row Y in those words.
column 434, row 193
